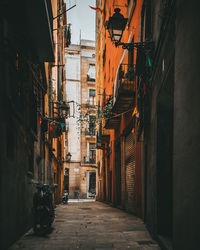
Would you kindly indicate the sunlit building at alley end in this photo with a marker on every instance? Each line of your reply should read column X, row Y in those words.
column 99, row 124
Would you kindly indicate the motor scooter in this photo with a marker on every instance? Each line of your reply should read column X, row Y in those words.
column 65, row 197
column 43, row 209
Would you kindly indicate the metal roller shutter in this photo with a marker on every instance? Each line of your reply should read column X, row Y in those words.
column 118, row 173
column 130, row 172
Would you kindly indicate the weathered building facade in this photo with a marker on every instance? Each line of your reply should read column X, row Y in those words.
column 116, row 136
column 149, row 161
column 80, row 82
column 56, row 99
column 171, row 139
column 27, row 71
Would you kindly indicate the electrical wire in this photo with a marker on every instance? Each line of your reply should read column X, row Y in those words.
column 119, row 114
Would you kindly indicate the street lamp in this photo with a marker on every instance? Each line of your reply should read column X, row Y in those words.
column 65, row 108
column 116, row 26
column 68, row 157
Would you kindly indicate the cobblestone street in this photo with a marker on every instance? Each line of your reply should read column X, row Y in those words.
column 90, row 225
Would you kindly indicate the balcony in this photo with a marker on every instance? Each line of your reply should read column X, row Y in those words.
column 90, row 104
column 112, row 122
column 90, row 160
column 101, row 140
column 90, row 132
column 90, row 80
column 124, row 95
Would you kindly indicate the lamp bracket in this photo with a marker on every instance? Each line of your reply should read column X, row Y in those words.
column 148, row 45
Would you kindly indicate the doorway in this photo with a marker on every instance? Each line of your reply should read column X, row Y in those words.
column 104, row 179
column 165, row 158
column 66, row 180
column 91, row 184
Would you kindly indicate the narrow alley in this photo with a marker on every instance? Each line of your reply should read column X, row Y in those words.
column 90, row 225
column 99, row 124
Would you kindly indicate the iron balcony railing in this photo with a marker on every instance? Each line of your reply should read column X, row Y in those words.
column 89, row 79
column 90, row 132
column 126, row 79
column 90, row 160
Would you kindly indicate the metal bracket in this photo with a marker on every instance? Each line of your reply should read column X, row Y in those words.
column 148, row 45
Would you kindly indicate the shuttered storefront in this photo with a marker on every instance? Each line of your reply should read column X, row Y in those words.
column 130, row 185
column 118, row 173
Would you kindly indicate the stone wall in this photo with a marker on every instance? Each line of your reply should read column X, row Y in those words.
column 186, row 127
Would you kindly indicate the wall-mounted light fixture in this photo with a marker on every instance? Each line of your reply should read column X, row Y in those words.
column 64, row 106
column 116, row 26
column 67, row 157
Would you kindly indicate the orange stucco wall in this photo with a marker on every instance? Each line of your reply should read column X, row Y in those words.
column 115, row 56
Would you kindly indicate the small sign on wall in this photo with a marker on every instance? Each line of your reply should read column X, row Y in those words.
column 76, row 170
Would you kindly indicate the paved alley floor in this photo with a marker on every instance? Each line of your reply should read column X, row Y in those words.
column 90, row 225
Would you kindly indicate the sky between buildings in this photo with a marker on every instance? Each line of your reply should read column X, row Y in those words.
column 82, row 18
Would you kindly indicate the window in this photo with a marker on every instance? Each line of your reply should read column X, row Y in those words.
column 91, row 73
column 92, row 120
column 92, row 96
column 92, row 152
column 92, row 92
